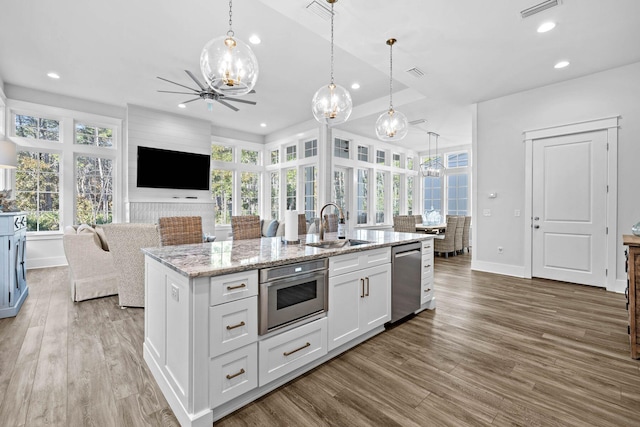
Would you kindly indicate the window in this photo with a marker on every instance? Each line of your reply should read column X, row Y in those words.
column 221, row 192
column 93, row 135
column 457, row 194
column 410, row 195
column 396, row 160
column 275, row 195
column 341, row 148
column 291, row 153
column 362, row 195
column 292, row 184
column 310, row 191
column 380, row 157
column 410, row 163
column 458, row 160
column 380, row 182
column 339, row 188
column 37, row 128
column 363, row 153
column 221, row 153
column 275, row 157
column 249, row 184
column 249, row 157
column 396, row 194
column 38, row 189
column 94, row 190
column 311, row 148
column 432, row 194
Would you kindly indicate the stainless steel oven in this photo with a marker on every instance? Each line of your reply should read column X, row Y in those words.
column 292, row 293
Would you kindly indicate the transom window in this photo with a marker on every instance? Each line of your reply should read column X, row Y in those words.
column 396, row 160
column 250, row 157
column 410, row 163
column 37, row 128
column 221, row 153
column 291, row 153
column 275, row 157
column 311, row 148
column 458, row 160
column 341, row 148
column 93, row 135
column 380, row 157
column 363, row 153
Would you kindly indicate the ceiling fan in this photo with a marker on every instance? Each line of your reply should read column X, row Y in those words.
column 209, row 95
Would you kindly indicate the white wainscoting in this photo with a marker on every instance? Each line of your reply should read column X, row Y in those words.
column 150, row 211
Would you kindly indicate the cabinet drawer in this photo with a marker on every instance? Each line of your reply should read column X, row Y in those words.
column 427, row 292
column 427, row 247
column 427, row 268
column 233, row 374
column 291, row 350
column 358, row 260
column 232, row 287
column 233, row 325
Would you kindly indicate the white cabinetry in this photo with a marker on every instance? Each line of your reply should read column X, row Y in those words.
column 359, row 300
column 13, row 273
column 427, row 299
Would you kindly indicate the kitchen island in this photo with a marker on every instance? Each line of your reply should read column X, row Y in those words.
column 205, row 304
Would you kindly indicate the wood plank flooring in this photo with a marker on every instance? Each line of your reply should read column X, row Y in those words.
column 497, row 351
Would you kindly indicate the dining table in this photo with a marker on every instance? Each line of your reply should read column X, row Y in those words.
column 431, row 229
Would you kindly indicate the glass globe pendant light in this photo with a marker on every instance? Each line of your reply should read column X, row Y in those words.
column 392, row 125
column 331, row 104
column 228, row 64
column 432, row 167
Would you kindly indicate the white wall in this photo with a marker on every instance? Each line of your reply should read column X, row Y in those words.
column 499, row 155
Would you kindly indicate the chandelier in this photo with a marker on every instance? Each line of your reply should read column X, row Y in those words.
column 392, row 125
column 228, row 64
column 331, row 104
column 432, row 166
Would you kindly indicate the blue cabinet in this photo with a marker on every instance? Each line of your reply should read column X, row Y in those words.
column 13, row 269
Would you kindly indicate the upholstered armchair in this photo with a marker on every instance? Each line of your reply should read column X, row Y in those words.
column 446, row 245
column 126, row 242
column 92, row 271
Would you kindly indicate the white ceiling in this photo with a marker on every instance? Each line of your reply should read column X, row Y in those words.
column 112, row 51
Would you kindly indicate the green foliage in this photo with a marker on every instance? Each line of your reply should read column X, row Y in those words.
column 221, row 153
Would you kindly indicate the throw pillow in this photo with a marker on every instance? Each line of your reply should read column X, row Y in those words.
column 103, row 238
column 272, row 228
column 87, row 229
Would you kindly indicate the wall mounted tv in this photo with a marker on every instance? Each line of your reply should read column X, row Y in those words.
column 172, row 169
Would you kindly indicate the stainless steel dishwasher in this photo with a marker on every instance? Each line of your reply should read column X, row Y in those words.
column 406, row 267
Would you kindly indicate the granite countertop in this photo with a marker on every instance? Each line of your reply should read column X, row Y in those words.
column 217, row 258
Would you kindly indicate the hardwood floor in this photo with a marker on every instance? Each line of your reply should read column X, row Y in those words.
column 497, row 351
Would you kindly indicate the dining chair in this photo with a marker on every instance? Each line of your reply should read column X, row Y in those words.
column 245, row 227
column 446, row 245
column 465, row 233
column 302, row 224
column 458, row 235
column 404, row 224
column 180, row 230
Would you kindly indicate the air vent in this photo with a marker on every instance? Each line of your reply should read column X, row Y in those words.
column 415, row 72
column 539, row 8
column 417, row 122
column 319, row 9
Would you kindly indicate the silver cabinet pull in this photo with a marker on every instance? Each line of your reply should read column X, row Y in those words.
column 230, row 288
column 427, row 290
column 289, row 353
column 231, row 376
column 367, row 294
column 230, row 327
column 361, row 287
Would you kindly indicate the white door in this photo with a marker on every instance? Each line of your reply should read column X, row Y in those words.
column 569, row 208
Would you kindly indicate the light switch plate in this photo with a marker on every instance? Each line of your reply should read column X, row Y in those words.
column 486, row 212
column 516, row 212
column 175, row 293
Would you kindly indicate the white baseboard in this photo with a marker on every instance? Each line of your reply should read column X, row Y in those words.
column 619, row 285
column 58, row 261
column 493, row 267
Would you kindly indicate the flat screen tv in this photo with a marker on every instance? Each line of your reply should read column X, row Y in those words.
column 159, row 168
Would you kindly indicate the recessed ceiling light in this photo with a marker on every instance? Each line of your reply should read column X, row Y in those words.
column 182, row 106
column 561, row 64
column 355, row 86
column 53, row 75
column 547, row 26
column 263, row 125
column 254, row 39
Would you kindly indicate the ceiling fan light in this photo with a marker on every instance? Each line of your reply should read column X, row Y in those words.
column 229, row 66
column 332, row 104
column 392, row 125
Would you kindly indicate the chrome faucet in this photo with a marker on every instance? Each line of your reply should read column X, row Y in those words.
column 322, row 218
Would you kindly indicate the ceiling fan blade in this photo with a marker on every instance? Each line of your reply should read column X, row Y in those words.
column 203, row 87
column 226, row 104
column 190, row 88
column 182, row 93
column 239, row 100
column 251, row 91
column 191, row 100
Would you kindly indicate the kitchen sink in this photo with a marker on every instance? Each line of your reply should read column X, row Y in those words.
column 333, row 244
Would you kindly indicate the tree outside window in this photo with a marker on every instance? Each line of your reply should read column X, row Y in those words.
column 275, row 195
column 221, row 193
column 292, row 185
column 380, row 202
column 94, row 190
column 310, row 192
column 38, row 189
column 93, row 135
column 249, row 157
column 396, row 194
column 410, row 195
column 362, row 196
column 249, row 184
column 37, row 128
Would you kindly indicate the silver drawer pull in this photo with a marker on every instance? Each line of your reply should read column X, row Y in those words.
column 230, row 288
column 426, row 290
column 231, row 376
column 289, row 353
column 427, row 266
column 235, row 326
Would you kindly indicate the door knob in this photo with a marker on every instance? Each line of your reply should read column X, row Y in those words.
column 536, row 226
column 536, row 218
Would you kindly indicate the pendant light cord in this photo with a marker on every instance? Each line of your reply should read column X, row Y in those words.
column 331, row 43
column 391, row 76
column 230, row 33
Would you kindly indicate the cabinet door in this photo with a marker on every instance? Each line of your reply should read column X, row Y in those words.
column 345, row 293
column 376, row 309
